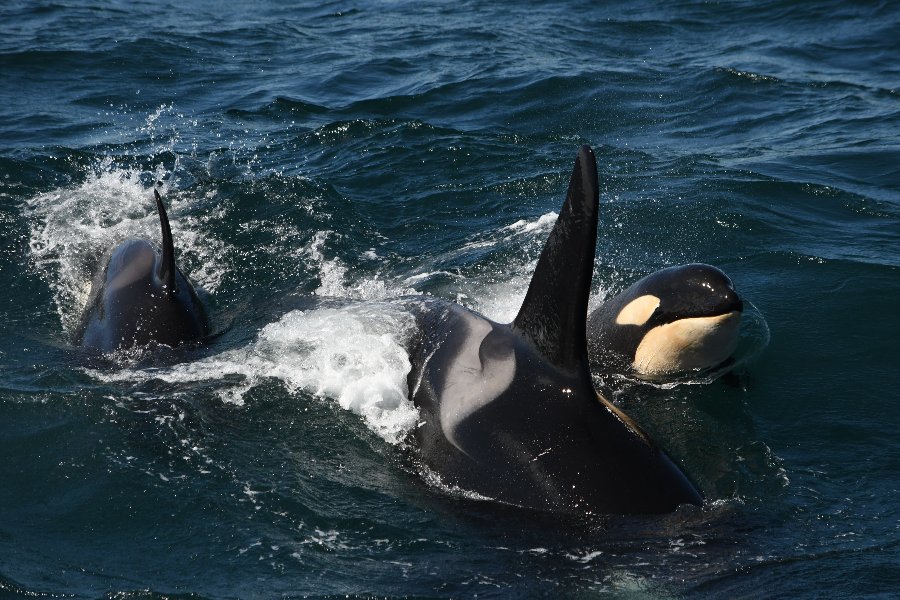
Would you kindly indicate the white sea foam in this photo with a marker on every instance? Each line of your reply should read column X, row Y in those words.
column 434, row 480
column 353, row 355
column 499, row 296
column 72, row 227
column 542, row 223
column 500, row 299
column 420, row 277
column 335, row 283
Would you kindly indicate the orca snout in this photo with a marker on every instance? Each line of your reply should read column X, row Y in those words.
column 703, row 290
column 732, row 301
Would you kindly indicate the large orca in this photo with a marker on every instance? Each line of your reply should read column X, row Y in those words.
column 141, row 296
column 673, row 321
column 510, row 411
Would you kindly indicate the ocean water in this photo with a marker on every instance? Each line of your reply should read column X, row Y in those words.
column 321, row 160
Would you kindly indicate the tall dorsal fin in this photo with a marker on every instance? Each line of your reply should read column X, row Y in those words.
column 554, row 311
column 167, row 267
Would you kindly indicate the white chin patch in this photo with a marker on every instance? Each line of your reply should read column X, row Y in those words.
column 637, row 311
column 687, row 344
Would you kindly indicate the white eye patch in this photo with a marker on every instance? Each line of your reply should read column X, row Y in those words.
column 637, row 311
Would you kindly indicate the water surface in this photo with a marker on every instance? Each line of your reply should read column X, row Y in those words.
column 321, row 161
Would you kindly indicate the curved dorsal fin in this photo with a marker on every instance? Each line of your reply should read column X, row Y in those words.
column 167, row 267
column 554, row 311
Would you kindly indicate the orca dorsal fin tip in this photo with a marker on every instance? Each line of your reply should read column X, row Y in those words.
column 167, row 268
column 554, row 313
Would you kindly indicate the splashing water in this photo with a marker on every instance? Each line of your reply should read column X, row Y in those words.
column 354, row 355
column 71, row 229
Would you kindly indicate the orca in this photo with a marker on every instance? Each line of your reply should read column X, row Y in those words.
column 676, row 320
column 509, row 411
column 141, row 296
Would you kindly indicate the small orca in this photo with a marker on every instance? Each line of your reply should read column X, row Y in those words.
column 673, row 321
column 140, row 297
column 510, row 411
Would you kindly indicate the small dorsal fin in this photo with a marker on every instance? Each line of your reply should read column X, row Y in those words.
column 554, row 311
column 167, row 267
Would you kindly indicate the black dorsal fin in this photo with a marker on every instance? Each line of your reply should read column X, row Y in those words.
column 554, row 311
column 167, row 267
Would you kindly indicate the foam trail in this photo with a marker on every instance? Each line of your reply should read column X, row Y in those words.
column 353, row 355
column 544, row 223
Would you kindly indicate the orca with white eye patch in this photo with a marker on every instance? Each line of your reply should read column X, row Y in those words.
column 673, row 321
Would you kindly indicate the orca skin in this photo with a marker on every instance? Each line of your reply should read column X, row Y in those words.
column 141, row 296
column 510, row 411
column 675, row 320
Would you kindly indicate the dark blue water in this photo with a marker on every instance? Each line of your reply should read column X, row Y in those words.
column 322, row 160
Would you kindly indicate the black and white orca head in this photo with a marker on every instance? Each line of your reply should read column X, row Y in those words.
column 688, row 318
